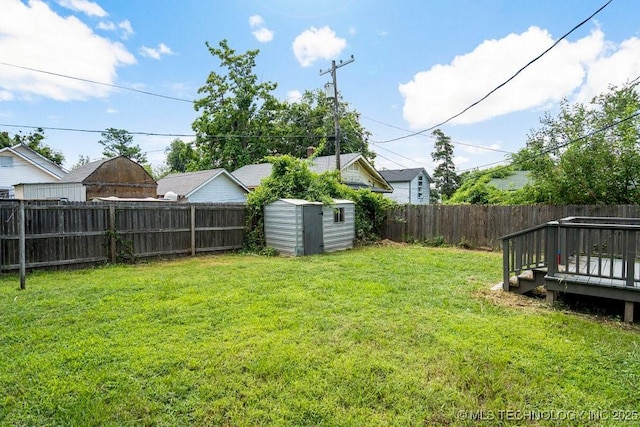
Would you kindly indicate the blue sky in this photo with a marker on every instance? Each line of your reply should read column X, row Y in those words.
column 417, row 62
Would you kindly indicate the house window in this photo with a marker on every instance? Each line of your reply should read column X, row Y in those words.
column 6, row 162
column 338, row 215
column 353, row 168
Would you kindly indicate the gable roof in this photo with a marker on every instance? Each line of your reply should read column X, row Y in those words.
column 403, row 175
column 36, row 159
column 183, row 184
column 252, row 175
column 82, row 172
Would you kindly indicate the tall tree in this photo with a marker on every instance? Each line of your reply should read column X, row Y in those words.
column 308, row 122
column 181, row 156
column 579, row 157
column 119, row 142
column 444, row 175
column 35, row 141
column 237, row 112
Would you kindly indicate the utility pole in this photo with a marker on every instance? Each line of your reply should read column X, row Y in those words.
column 336, row 123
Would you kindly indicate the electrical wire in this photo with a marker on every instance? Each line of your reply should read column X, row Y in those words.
column 563, row 145
column 66, row 76
column 503, row 83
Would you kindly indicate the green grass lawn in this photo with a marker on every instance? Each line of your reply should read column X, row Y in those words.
column 373, row 336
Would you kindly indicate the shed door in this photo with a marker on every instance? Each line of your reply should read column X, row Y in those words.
column 312, row 229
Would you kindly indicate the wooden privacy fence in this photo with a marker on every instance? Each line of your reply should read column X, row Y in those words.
column 483, row 226
column 55, row 234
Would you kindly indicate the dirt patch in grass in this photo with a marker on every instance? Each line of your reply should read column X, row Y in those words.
column 391, row 243
column 512, row 300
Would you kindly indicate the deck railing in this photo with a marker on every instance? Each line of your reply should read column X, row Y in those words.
column 594, row 250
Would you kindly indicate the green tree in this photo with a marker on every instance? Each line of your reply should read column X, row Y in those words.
column 309, row 122
column 33, row 140
column 578, row 157
column 237, row 112
column 119, row 142
column 444, row 175
column 181, row 157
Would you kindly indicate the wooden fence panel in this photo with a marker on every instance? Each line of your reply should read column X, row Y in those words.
column 482, row 226
column 60, row 235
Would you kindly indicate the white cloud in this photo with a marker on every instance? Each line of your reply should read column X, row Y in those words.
column 434, row 95
column 256, row 21
column 261, row 33
column 85, row 6
column 106, row 26
column 62, row 45
column 621, row 65
column 157, row 52
column 112, row 111
column 314, row 44
column 294, row 95
column 126, row 30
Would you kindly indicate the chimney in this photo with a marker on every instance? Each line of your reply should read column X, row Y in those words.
column 311, row 151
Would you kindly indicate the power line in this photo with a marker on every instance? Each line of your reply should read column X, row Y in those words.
column 480, row 147
column 97, row 83
column 506, row 81
column 565, row 144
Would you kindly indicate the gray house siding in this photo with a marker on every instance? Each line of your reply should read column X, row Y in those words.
column 221, row 189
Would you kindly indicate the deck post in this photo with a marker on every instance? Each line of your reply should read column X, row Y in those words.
column 505, row 265
column 628, row 311
column 552, row 248
column 630, row 256
column 551, row 297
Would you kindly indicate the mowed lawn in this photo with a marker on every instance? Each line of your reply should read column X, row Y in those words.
column 373, row 336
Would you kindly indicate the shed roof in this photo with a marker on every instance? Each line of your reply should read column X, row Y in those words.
column 403, row 175
column 82, row 172
column 186, row 183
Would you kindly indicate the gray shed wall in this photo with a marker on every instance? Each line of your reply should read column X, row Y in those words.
column 338, row 235
column 283, row 227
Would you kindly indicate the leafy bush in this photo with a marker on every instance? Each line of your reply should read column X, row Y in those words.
column 291, row 178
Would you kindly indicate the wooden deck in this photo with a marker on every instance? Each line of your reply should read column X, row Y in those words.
column 603, row 259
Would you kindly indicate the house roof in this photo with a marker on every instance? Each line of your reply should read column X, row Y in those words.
column 82, row 172
column 36, row 159
column 252, row 175
column 183, row 184
column 515, row 181
column 403, row 175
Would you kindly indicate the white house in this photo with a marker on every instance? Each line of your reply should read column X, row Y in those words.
column 210, row 186
column 409, row 185
column 355, row 169
column 22, row 165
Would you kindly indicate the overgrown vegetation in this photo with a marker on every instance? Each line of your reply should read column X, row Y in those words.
column 372, row 336
column 291, row 179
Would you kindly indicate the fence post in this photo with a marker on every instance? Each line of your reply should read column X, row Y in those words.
column 193, row 230
column 23, row 246
column 112, row 232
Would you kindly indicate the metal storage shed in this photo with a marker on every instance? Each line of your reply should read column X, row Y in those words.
column 298, row 227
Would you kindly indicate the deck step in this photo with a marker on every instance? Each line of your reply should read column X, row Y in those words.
column 528, row 280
